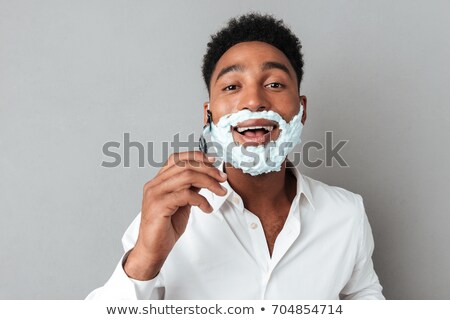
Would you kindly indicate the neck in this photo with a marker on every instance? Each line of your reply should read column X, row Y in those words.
column 263, row 193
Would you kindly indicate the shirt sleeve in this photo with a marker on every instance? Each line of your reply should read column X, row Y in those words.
column 120, row 286
column 364, row 283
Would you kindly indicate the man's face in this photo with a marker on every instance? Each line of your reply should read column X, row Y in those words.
column 255, row 76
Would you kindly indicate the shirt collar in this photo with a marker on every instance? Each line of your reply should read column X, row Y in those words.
column 303, row 188
column 215, row 200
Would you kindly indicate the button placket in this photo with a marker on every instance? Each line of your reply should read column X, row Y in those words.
column 258, row 240
column 236, row 200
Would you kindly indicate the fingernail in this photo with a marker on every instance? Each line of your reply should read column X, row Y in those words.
column 223, row 174
column 223, row 188
column 211, row 159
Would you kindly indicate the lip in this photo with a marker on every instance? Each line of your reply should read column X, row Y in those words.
column 257, row 140
column 257, row 123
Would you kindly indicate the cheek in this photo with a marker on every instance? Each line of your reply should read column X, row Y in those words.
column 217, row 113
column 220, row 109
column 290, row 112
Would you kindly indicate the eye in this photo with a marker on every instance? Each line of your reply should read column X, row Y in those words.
column 230, row 87
column 275, row 85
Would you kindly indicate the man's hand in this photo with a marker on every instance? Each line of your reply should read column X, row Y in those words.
column 166, row 205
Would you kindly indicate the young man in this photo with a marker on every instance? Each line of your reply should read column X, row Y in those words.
column 252, row 228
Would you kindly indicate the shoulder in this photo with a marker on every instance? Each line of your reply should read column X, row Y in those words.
column 321, row 189
column 334, row 199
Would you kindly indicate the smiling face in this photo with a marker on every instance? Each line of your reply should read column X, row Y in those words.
column 255, row 76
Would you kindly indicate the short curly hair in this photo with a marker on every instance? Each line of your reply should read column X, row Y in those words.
column 253, row 27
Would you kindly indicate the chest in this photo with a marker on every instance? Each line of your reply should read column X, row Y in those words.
column 229, row 262
column 272, row 222
column 272, row 227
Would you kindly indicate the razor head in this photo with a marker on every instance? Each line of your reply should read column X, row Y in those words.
column 203, row 145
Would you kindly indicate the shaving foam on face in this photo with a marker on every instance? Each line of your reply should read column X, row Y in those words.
column 260, row 159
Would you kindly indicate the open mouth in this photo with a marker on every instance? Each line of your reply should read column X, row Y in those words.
column 255, row 132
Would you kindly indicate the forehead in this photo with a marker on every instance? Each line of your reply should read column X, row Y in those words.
column 251, row 53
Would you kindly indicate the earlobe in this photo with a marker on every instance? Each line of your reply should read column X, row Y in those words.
column 303, row 101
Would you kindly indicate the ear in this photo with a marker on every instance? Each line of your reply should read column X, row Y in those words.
column 205, row 114
column 303, row 101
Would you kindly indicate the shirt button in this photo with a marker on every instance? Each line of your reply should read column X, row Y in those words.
column 236, row 200
column 253, row 225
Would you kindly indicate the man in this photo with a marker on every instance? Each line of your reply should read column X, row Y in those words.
column 252, row 228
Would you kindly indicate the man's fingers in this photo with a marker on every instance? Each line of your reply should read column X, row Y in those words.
column 188, row 197
column 183, row 156
column 188, row 165
column 191, row 178
column 195, row 189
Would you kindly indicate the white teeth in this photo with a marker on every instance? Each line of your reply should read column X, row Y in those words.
column 242, row 129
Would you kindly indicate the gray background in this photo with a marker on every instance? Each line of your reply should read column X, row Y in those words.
column 76, row 74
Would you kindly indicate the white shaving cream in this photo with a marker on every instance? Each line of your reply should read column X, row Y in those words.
column 256, row 160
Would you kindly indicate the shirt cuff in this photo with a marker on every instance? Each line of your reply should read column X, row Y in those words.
column 143, row 289
column 121, row 287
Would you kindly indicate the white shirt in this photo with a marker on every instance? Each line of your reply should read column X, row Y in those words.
column 324, row 251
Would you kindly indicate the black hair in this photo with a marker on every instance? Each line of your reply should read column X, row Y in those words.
column 253, row 27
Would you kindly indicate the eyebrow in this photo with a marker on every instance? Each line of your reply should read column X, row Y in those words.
column 275, row 65
column 232, row 68
column 264, row 67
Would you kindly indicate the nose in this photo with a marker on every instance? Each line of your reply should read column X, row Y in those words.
column 253, row 99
